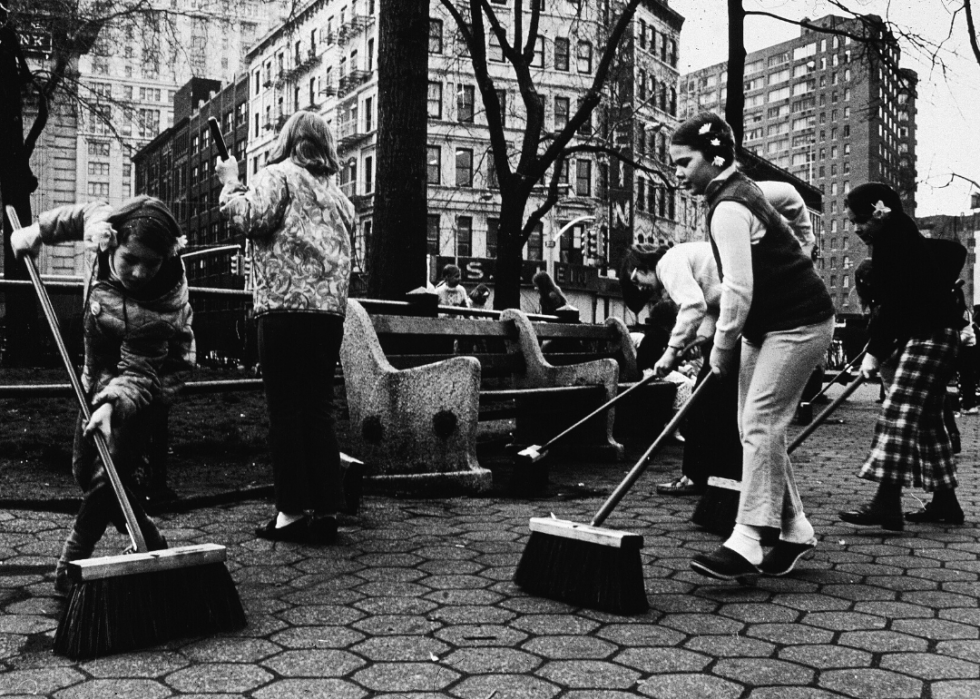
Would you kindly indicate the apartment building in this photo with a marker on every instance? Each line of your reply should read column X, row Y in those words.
column 325, row 59
column 833, row 111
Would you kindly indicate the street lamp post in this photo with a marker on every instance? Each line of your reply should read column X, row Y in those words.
column 557, row 236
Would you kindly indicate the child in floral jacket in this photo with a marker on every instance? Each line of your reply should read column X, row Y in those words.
column 138, row 336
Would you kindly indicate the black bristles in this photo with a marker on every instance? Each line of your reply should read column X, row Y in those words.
column 128, row 612
column 583, row 573
column 716, row 510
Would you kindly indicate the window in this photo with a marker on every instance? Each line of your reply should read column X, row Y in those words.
column 641, row 188
column 583, row 178
column 535, row 243
column 493, row 225
column 98, row 148
column 464, row 104
column 370, row 55
column 98, row 169
column 562, row 51
column 464, row 167
column 495, row 52
column 369, row 115
column 562, row 105
column 502, row 98
column 464, row 236
column 98, row 189
column 584, row 57
column 432, row 234
column 368, row 175
column 492, row 181
column 435, row 36
column 433, row 165
column 537, row 61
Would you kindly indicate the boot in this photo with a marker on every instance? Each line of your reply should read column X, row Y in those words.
column 77, row 546
column 884, row 510
column 944, row 508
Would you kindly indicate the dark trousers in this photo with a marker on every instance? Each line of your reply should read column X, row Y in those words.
column 299, row 354
column 712, row 446
column 100, row 506
column 966, row 365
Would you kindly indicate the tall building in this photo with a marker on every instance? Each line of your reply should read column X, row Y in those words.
column 122, row 96
column 833, row 111
column 964, row 228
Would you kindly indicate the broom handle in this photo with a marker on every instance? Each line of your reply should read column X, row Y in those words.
column 842, row 372
column 641, row 465
column 135, row 534
column 620, row 396
column 822, row 417
column 219, row 140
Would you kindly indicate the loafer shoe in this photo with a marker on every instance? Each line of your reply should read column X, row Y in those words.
column 935, row 514
column 870, row 516
column 783, row 557
column 297, row 532
column 723, row 564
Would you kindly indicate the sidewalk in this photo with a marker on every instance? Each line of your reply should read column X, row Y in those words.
column 416, row 600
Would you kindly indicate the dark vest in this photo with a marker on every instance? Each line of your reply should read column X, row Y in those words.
column 787, row 292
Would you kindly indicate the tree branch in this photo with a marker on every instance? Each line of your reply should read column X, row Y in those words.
column 971, row 29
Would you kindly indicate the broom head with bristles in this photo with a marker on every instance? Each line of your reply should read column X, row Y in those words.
column 718, row 506
column 123, row 603
column 583, row 565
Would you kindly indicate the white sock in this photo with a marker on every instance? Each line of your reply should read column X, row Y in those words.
column 284, row 520
column 745, row 541
column 798, row 531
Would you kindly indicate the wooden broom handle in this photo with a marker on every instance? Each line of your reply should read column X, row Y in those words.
column 135, row 534
column 822, row 417
column 219, row 140
column 641, row 465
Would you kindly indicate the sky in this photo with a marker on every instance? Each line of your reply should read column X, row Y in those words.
column 948, row 119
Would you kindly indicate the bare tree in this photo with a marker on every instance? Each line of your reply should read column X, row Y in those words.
column 56, row 33
column 538, row 151
column 397, row 247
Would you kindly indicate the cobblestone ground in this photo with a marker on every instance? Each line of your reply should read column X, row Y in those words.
column 416, row 600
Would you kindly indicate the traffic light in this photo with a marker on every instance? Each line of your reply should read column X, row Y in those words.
column 592, row 244
column 234, row 264
column 247, row 270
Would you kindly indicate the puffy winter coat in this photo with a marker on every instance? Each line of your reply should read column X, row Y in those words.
column 137, row 345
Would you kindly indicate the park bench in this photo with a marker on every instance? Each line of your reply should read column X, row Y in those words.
column 417, row 387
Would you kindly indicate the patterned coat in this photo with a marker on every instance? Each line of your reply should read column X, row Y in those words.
column 301, row 227
column 137, row 345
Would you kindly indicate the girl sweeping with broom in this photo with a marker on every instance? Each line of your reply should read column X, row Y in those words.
column 137, row 335
column 771, row 297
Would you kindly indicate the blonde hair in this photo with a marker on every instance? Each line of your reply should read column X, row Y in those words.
column 307, row 140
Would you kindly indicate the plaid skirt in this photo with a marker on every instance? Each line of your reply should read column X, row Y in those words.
column 911, row 445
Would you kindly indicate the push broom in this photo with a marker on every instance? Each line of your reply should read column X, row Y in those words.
column 121, row 603
column 531, row 465
column 719, row 505
column 589, row 565
column 804, row 413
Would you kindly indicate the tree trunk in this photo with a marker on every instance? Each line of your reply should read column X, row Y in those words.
column 510, row 253
column 735, row 103
column 16, row 184
column 398, row 243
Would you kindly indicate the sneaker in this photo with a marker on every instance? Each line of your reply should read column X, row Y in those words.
column 784, row 556
column 723, row 564
column 930, row 513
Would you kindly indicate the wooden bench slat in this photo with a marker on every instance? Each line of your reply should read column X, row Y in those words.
column 459, row 327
